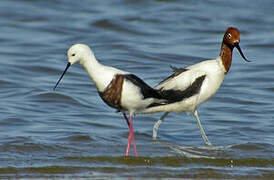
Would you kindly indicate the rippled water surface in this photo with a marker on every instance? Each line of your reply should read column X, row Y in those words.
column 71, row 133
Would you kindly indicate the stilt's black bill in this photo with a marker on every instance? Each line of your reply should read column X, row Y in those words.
column 68, row 65
column 240, row 51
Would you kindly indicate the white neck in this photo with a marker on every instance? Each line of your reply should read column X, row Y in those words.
column 100, row 74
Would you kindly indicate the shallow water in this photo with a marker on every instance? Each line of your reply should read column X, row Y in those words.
column 71, row 133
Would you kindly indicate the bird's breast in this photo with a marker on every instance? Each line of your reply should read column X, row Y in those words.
column 113, row 92
column 210, row 86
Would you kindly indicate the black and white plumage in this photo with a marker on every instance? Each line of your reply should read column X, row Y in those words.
column 119, row 89
column 189, row 87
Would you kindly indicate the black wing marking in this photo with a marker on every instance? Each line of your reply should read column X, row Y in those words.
column 178, row 95
column 177, row 71
column 146, row 90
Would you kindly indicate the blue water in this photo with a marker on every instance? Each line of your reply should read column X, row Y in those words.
column 71, row 133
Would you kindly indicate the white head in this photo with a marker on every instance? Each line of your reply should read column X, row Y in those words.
column 77, row 53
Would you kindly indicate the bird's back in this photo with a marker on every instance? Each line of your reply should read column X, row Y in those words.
column 188, row 87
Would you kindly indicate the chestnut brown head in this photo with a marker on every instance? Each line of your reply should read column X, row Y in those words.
column 232, row 39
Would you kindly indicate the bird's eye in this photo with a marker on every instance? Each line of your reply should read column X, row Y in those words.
column 73, row 54
column 229, row 36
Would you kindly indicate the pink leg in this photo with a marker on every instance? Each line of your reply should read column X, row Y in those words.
column 130, row 136
column 128, row 145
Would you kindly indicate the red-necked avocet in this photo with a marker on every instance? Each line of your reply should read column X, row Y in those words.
column 189, row 87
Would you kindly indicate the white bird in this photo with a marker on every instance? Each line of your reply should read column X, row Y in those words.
column 119, row 89
column 189, row 87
